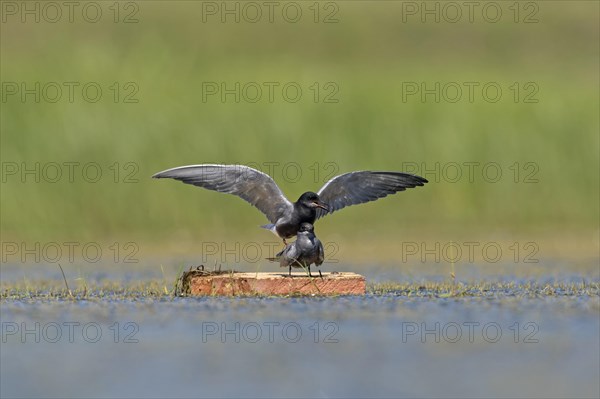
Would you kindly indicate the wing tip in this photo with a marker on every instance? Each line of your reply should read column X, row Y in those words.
column 421, row 180
column 414, row 179
column 165, row 174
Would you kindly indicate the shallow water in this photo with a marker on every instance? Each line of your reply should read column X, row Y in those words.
column 375, row 346
column 543, row 271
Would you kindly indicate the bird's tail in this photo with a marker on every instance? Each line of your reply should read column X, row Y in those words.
column 276, row 258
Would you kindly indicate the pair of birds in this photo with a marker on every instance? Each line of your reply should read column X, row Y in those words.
column 288, row 219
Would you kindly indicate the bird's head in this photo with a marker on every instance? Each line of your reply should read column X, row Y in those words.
column 312, row 200
column 306, row 228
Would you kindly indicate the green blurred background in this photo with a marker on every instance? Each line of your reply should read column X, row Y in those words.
column 368, row 54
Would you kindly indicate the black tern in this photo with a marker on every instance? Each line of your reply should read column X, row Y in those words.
column 306, row 250
column 260, row 190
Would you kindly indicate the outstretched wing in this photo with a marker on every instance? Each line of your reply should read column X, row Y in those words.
column 359, row 187
column 254, row 186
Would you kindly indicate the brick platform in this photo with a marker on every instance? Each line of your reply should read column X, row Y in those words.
column 199, row 283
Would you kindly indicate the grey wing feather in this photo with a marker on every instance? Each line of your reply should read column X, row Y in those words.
column 359, row 187
column 256, row 187
column 288, row 256
column 321, row 255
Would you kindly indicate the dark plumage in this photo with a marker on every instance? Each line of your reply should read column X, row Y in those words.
column 306, row 250
column 260, row 190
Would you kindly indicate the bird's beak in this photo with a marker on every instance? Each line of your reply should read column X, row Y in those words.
column 321, row 205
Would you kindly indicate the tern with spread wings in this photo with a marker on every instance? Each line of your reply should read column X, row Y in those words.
column 260, row 190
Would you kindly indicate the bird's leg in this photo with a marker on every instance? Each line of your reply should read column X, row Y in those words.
column 309, row 275
column 320, row 274
column 290, row 271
